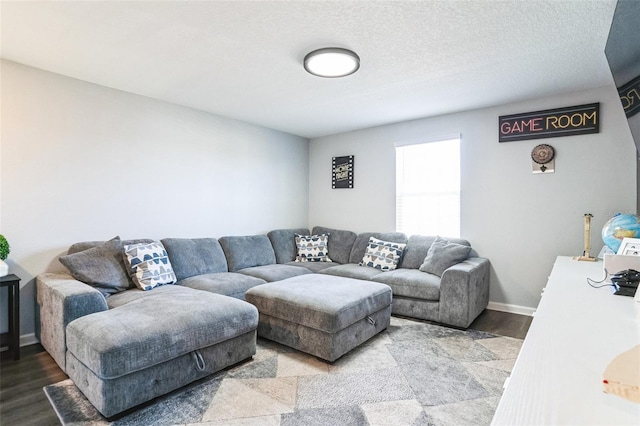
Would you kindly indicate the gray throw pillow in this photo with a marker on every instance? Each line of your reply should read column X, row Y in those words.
column 101, row 267
column 442, row 255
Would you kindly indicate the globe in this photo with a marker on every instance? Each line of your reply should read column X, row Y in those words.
column 618, row 227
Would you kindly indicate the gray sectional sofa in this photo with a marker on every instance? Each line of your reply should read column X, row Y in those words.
column 123, row 346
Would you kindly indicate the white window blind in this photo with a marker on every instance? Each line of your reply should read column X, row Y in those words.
column 428, row 188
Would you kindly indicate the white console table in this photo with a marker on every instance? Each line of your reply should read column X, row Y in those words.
column 576, row 332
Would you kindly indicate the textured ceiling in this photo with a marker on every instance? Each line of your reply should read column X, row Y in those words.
column 244, row 59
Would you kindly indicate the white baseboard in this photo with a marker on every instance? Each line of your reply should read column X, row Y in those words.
column 28, row 339
column 514, row 309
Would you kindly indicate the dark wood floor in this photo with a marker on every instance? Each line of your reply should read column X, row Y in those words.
column 502, row 323
column 23, row 403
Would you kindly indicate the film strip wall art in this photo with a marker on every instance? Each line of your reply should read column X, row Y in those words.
column 342, row 172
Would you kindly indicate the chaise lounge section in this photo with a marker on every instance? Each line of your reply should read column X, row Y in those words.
column 128, row 355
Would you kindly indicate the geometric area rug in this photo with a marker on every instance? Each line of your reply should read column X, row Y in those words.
column 413, row 373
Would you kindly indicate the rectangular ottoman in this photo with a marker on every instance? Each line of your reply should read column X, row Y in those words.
column 138, row 351
column 322, row 315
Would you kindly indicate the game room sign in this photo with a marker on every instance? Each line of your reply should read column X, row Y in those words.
column 630, row 97
column 550, row 123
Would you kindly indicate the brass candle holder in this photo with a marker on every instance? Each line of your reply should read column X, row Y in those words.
column 587, row 240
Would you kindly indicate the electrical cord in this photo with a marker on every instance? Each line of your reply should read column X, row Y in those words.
column 592, row 282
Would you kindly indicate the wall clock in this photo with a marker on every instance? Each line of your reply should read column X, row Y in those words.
column 543, row 158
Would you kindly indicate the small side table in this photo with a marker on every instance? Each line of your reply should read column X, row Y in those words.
column 12, row 337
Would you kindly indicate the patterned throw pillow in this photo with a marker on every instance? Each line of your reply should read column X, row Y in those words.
column 312, row 248
column 150, row 265
column 383, row 255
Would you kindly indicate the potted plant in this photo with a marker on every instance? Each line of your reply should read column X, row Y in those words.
column 4, row 252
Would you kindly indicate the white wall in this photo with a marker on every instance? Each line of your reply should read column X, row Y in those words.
column 520, row 221
column 84, row 162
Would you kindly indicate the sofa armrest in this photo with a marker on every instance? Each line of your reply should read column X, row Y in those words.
column 464, row 292
column 63, row 299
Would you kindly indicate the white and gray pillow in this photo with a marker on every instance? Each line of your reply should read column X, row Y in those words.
column 382, row 255
column 312, row 248
column 150, row 265
column 442, row 255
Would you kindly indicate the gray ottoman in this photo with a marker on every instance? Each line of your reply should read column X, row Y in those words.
column 322, row 315
column 133, row 353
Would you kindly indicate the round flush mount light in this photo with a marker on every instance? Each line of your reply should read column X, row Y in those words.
column 331, row 62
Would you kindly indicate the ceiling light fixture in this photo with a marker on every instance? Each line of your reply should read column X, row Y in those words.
column 331, row 62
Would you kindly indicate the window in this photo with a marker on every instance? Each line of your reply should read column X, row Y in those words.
column 428, row 188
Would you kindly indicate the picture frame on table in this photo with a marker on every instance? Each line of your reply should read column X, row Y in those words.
column 630, row 247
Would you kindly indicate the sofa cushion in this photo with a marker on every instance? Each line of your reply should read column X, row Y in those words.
column 230, row 284
column 284, row 245
column 162, row 326
column 245, row 252
column 150, row 265
column 275, row 272
column 135, row 293
column 312, row 248
column 383, row 255
column 417, row 249
column 442, row 255
column 100, row 266
column 362, row 241
column 340, row 243
column 195, row 256
column 411, row 283
column 351, row 270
